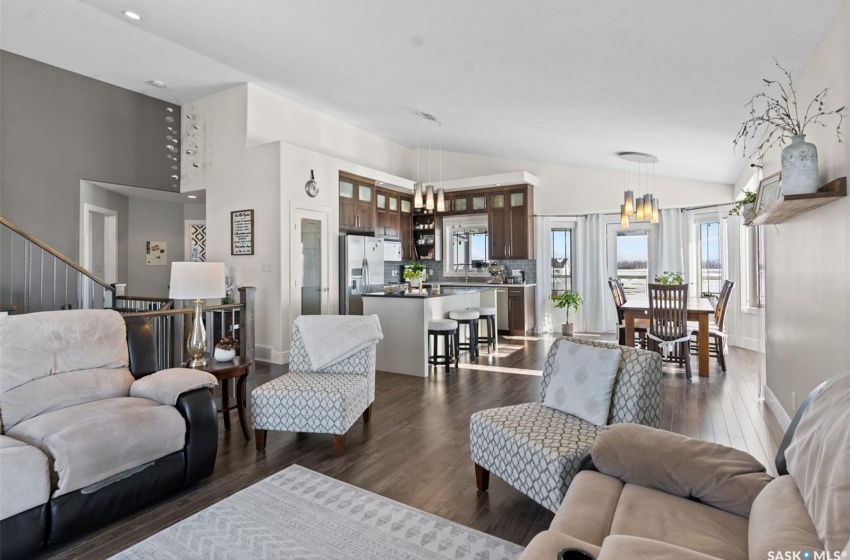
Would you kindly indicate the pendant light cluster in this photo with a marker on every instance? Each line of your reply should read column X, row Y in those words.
column 425, row 196
column 643, row 206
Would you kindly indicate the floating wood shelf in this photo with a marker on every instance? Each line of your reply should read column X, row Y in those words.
column 793, row 205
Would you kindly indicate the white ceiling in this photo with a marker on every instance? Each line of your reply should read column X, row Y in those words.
column 548, row 81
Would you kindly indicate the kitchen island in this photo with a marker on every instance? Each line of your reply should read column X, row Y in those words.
column 404, row 322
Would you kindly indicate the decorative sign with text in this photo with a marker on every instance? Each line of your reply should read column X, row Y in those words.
column 242, row 232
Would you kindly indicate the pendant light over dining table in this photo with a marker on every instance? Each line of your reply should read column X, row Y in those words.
column 644, row 207
column 427, row 196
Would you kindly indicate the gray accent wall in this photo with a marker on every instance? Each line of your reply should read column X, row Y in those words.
column 58, row 128
column 153, row 220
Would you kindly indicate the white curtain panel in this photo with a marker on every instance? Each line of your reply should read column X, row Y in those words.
column 542, row 227
column 591, row 279
column 735, row 243
column 670, row 250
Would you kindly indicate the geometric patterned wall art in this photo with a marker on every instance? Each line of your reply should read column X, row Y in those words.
column 198, row 233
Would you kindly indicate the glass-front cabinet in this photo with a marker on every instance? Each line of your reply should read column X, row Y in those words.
column 356, row 205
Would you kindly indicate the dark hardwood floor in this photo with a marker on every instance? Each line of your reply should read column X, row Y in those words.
column 416, row 448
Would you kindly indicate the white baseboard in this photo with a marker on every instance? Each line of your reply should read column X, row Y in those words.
column 266, row 354
column 776, row 408
column 745, row 343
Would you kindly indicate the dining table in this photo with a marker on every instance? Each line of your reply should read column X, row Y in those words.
column 699, row 310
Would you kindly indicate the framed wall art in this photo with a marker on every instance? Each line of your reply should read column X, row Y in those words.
column 769, row 191
column 242, row 232
column 156, row 253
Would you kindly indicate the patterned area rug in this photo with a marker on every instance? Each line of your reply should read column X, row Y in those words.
column 298, row 513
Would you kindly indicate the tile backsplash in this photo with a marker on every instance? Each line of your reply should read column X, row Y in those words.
column 435, row 270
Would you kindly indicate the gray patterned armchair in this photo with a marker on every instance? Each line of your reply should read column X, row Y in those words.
column 538, row 450
column 327, row 401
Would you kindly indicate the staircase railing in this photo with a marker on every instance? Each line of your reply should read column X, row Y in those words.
column 36, row 277
column 171, row 328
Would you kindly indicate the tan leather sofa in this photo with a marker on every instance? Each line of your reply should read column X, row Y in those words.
column 651, row 494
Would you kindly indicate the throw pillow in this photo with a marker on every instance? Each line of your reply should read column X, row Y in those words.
column 582, row 381
column 819, row 461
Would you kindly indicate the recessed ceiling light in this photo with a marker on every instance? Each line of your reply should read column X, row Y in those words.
column 498, row 184
column 192, row 196
column 133, row 15
column 158, row 83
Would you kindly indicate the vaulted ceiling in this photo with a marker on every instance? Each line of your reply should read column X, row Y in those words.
column 550, row 81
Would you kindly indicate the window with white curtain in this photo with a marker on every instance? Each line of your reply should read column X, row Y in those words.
column 561, row 260
column 709, row 255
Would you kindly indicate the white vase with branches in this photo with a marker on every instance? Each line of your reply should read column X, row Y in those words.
column 775, row 119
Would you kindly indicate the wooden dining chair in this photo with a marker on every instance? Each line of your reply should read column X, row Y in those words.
column 717, row 333
column 641, row 325
column 669, row 333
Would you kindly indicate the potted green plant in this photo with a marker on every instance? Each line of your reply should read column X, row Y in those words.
column 745, row 206
column 415, row 274
column 568, row 300
column 670, row 278
column 776, row 118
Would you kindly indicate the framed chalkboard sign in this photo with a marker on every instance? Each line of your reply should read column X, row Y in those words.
column 242, row 232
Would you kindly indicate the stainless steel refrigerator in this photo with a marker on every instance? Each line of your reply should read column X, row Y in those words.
column 361, row 270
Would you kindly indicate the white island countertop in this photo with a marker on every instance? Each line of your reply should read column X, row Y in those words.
column 404, row 322
column 479, row 284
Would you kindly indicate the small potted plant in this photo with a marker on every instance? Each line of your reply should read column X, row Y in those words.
column 568, row 300
column 745, row 206
column 415, row 274
column 225, row 349
column 670, row 278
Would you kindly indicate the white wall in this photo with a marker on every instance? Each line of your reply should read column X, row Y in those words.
column 807, row 315
column 565, row 190
column 239, row 178
column 272, row 118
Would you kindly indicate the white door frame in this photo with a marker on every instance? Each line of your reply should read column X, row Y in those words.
column 110, row 240
column 110, row 245
column 187, row 237
column 323, row 215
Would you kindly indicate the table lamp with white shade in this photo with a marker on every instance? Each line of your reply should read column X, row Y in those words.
column 197, row 281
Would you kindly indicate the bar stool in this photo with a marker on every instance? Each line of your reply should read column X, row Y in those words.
column 448, row 330
column 469, row 318
column 488, row 313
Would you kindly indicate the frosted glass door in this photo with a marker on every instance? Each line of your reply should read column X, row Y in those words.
column 311, row 267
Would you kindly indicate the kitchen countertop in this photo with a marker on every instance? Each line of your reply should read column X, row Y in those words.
column 480, row 284
column 428, row 295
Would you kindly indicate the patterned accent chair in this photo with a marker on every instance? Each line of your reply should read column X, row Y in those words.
column 325, row 402
column 538, row 450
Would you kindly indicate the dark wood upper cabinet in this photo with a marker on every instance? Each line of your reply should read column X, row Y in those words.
column 511, row 223
column 367, row 208
column 387, row 214
column 356, row 204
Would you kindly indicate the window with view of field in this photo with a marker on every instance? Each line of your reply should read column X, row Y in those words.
column 633, row 261
column 562, row 260
column 710, row 258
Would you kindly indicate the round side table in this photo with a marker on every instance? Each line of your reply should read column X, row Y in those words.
column 238, row 369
